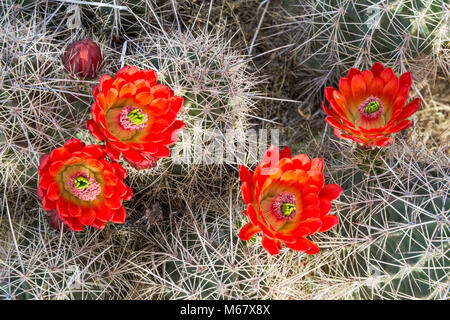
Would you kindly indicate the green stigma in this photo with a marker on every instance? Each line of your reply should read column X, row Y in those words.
column 372, row 106
column 287, row 208
column 80, row 182
column 136, row 116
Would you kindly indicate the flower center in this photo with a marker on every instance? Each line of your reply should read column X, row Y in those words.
column 287, row 208
column 84, row 187
column 80, row 182
column 284, row 206
column 131, row 118
column 136, row 116
column 371, row 108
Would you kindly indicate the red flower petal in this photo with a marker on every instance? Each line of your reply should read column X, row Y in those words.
column 61, row 207
column 150, row 76
column 345, row 88
column 55, row 167
column 358, row 87
column 302, row 161
column 73, row 145
column 159, row 106
column 245, row 175
column 409, row 109
column 328, row 222
column 248, row 231
column 129, row 194
column 172, row 133
column 313, row 250
column 133, row 156
column 88, row 216
column 44, row 161
column 325, row 206
column 110, row 178
column 351, row 73
column 334, row 123
column 98, row 224
column 176, row 103
column 94, row 151
column 368, row 77
column 74, row 224
column 270, row 245
column 119, row 215
column 144, row 98
column 160, row 91
column 405, row 79
column 45, row 180
column 391, row 89
column 128, row 89
column 53, row 191
column 47, row 204
column 111, row 97
column 317, row 164
column 377, row 69
column 113, row 202
column 73, row 209
column 119, row 170
column 285, row 153
column 329, row 93
column 331, row 191
column 104, row 214
column 400, row 126
column 60, row 153
column 301, row 244
column 309, row 226
column 387, row 75
column 328, row 111
column 376, row 87
column 246, row 193
column 113, row 152
column 384, row 142
column 95, row 130
column 105, row 83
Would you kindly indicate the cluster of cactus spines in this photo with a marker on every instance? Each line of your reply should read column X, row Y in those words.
column 334, row 35
column 217, row 93
column 199, row 256
column 41, row 104
column 34, row 113
column 38, row 263
column 393, row 238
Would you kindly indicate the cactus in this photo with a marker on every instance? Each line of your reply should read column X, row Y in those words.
column 198, row 255
column 217, row 90
column 335, row 35
column 40, row 263
column 394, row 232
column 40, row 105
column 120, row 19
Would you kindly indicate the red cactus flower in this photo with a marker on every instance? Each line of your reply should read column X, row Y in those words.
column 83, row 59
column 287, row 201
column 135, row 116
column 82, row 186
column 370, row 105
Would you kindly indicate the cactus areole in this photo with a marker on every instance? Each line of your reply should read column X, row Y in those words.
column 83, row 59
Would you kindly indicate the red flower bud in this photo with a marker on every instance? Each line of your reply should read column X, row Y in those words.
column 83, row 59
